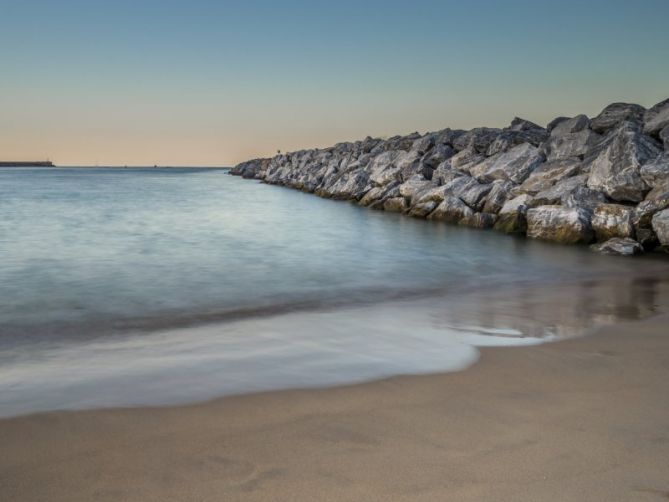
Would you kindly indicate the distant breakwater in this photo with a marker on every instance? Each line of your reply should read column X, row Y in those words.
column 37, row 163
column 602, row 181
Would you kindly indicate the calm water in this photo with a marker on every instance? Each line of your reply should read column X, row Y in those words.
column 152, row 286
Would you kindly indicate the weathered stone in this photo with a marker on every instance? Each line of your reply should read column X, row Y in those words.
column 548, row 174
column 520, row 131
column 250, row 168
column 395, row 205
column 618, row 246
column 351, row 185
column 559, row 224
column 616, row 170
column 514, row 165
column 647, row 238
column 561, row 189
column 383, row 169
column 435, row 194
column 451, row 210
column 511, row 218
column 498, row 195
column 555, row 122
column 656, row 171
column 656, row 200
column 422, row 209
column 656, row 118
column 479, row 220
column 583, row 197
column 661, row 226
column 612, row 220
column 437, row 155
column 470, row 191
column 664, row 137
column 414, row 185
column 616, row 113
column 379, row 194
column 478, row 139
column 456, row 165
column 571, row 138
column 424, row 144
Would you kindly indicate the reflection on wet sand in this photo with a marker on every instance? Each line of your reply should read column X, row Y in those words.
column 559, row 310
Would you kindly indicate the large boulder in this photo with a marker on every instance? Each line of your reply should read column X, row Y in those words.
column 511, row 218
column 571, row 138
column 616, row 169
column 520, row 131
column 470, row 191
column 661, row 226
column 498, row 195
column 556, row 193
column 618, row 246
column 422, row 209
column 350, row 185
column 656, row 171
column 549, row 173
column 249, row 169
column 451, row 210
column 383, row 168
column 616, row 113
column 656, row 118
column 514, row 165
column 559, row 224
column 395, row 205
column 414, row 186
column 479, row 220
column 478, row 139
column 612, row 220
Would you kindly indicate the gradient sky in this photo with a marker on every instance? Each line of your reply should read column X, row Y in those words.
column 205, row 82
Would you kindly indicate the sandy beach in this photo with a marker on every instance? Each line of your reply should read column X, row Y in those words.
column 583, row 419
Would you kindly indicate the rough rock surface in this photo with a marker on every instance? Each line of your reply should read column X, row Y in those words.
column 575, row 180
column 559, row 224
column 616, row 245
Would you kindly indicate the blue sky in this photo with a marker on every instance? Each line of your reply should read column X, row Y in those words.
column 214, row 82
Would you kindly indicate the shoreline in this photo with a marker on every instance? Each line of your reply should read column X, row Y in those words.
column 515, row 426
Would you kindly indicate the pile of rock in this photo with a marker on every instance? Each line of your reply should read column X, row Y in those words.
column 603, row 180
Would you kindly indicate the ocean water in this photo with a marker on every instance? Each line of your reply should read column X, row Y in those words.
column 158, row 286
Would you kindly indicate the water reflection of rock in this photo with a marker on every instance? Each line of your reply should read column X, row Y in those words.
column 562, row 310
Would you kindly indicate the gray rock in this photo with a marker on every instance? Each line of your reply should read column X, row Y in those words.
column 470, row 191
column 664, row 137
column 422, row 209
column 478, row 139
column 560, row 190
column 498, row 195
column 618, row 246
column 612, row 220
column 250, row 168
column 414, row 186
column 548, row 174
column 656, row 200
column 351, row 185
column 616, row 169
column 520, row 131
column 456, row 165
column 571, row 138
column 559, row 224
column 656, row 171
column 661, row 226
column 379, row 195
column 437, row 155
column 583, row 197
column 555, row 122
column 656, row 118
column 511, row 218
column 514, row 165
column 424, row 144
column 616, row 113
column 479, row 220
column 451, row 210
column 383, row 168
column 395, row 205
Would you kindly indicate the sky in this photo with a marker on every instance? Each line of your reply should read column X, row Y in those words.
column 211, row 83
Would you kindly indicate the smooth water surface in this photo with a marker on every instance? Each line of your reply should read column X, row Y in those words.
column 136, row 286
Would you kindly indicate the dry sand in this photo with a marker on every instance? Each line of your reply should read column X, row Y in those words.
column 584, row 419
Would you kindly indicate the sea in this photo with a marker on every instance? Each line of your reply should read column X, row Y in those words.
column 162, row 286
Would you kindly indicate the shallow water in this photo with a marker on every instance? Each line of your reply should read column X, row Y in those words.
column 154, row 286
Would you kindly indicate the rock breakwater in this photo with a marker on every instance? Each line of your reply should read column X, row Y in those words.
column 601, row 181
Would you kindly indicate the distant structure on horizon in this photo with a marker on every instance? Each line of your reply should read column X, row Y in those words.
column 29, row 163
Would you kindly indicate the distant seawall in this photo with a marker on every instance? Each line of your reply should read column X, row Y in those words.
column 602, row 181
column 38, row 163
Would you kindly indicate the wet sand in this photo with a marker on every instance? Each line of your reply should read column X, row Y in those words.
column 581, row 419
